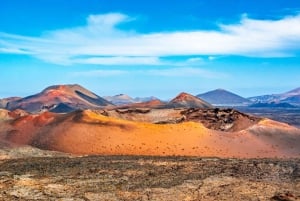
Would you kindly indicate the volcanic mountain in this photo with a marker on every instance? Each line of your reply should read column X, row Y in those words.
column 291, row 97
column 223, row 97
column 120, row 99
column 59, row 98
column 145, row 99
column 185, row 100
column 123, row 99
column 96, row 132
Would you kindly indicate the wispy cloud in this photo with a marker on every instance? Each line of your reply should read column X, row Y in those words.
column 186, row 72
column 118, row 60
column 99, row 73
column 100, row 41
column 194, row 60
column 169, row 72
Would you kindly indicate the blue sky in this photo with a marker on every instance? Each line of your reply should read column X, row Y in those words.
column 145, row 48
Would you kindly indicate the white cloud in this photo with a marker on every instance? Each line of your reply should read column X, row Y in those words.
column 108, row 20
column 194, row 60
column 102, row 42
column 118, row 60
column 169, row 72
column 211, row 58
column 186, row 72
column 99, row 73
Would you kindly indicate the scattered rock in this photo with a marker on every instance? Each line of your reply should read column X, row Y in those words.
column 127, row 178
column 286, row 196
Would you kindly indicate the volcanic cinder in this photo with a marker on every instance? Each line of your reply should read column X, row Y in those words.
column 154, row 132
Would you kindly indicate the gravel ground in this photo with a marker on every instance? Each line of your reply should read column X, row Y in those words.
column 149, row 178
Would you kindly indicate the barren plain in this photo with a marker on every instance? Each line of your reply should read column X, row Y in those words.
column 113, row 178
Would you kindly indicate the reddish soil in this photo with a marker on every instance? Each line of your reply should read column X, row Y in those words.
column 91, row 132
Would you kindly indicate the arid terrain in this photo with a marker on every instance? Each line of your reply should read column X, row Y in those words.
column 153, row 100
column 112, row 178
column 163, row 132
column 67, row 143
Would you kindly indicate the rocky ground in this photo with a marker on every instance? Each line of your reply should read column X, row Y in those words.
column 149, row 178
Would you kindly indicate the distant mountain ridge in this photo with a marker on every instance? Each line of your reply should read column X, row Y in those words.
column 290, row 97
column 67, row 98
column 223, row 97
column 182, row 100
column 145, row 99
column 123, row 99
column 120, row 99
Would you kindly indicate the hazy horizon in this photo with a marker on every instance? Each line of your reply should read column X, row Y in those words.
column 150, row 48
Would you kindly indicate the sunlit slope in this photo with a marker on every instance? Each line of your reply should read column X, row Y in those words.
column 89, row 132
